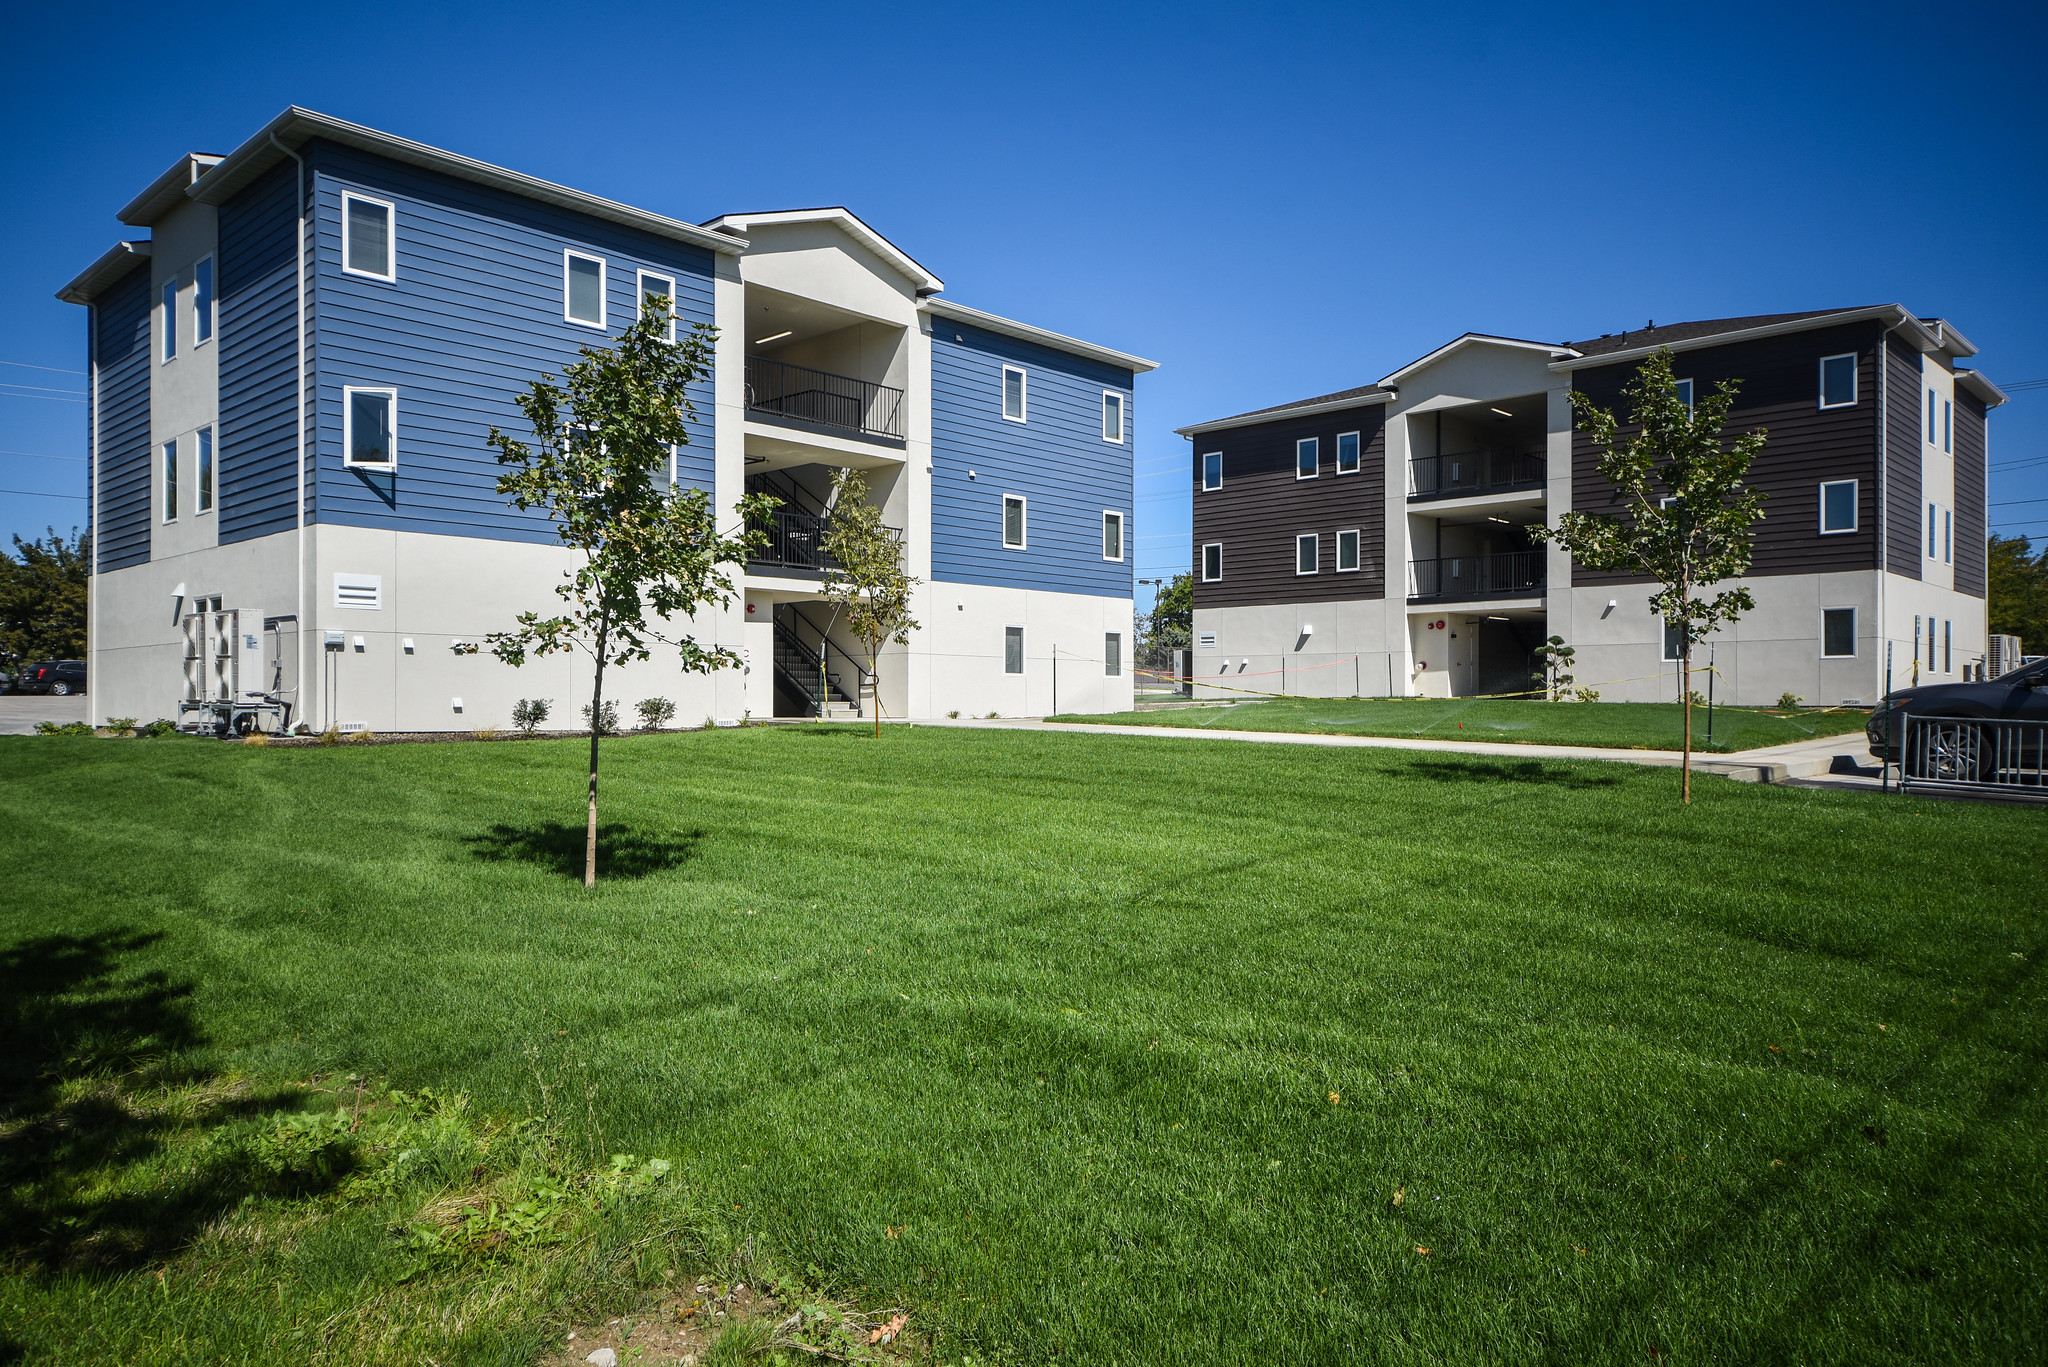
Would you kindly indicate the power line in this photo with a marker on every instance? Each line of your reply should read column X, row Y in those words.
column 2019, row 385
column 60, row 370
column 53, row 398
column 37, row 493
column 38, row 455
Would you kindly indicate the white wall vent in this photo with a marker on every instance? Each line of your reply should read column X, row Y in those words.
column 1207, row 640
column 358, row 590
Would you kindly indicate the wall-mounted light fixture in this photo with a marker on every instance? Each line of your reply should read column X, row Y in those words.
column 764, row 341
column 407, row 643
column 1502, row 411
column 1503, row 521
column 457, row 703
column 359, row 645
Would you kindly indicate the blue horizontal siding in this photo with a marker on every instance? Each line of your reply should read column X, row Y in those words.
column 473, row 318
column 122, row 466
column 258, row 436
column 1057, row 460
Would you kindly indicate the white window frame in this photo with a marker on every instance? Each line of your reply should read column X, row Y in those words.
column 1684, row 388
column 167, row 480
column 207, row 316
column 1315, row 469
column 1933, row 528
column 1023, row 541
column 348, row 423
column 1855, row 507
column 1357, row 454
column 1113, row 667
column 1111, row 396
column 1315, row 542
column 1023, row 660
column 1932, row 399
column 1216, row 578
column 1207, row 487
column 1948, row 431
column 640, row 279
column 604, row 285
column 1357, row 551
column 1948, row 536
column 1107, row 514
column 1023, row 413
column 205, row 472
column 167, row 347
column 390, row 238
column 1850, row 402
column 1849, row 608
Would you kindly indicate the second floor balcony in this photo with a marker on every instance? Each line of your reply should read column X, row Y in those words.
column 1458, row 578
column 1461, row 474
column 838, row 404
column 796, row 541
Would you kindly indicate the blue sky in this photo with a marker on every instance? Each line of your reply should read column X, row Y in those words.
column 1272, row 201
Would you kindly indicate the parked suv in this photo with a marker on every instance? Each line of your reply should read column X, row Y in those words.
column 57, row 677
column 1961, row 750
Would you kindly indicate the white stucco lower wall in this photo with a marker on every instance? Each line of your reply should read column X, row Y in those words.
column 955, row 662
column 1264, row 649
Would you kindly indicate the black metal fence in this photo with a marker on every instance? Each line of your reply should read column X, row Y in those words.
column 1458, row 473
column 1968, row 752
column 816, row 396
column 1476, row 576
column 796, row 541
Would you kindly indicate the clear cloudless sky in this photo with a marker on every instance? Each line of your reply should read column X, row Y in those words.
column 1273, row 201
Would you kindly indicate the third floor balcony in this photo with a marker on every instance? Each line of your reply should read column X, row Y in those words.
column 1462, row 474
column 798, row 396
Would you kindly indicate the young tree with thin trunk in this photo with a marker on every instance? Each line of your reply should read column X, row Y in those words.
column 649, row 554
column 1687, row 513
column 867, row 584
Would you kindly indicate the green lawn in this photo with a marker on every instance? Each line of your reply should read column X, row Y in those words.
column 1086, row 1049
column 1620, row 725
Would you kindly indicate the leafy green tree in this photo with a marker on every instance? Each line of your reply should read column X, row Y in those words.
column 867, row 584
column 1170, row 626
column 2019, row 591
column 1687, row 514
column 43, row 598
column 648, row 555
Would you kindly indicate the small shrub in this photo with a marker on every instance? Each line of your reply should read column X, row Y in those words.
column 655, row 713
column 1586, row 694
column 485, row 733
column 332, row 735
column 162, row 726
column 993, row 715
column 1697, row 698
column 257, row 739
column 1789, row 700
column 529, row 713
column 710, row 723
column 607, row 720
column 363, row 737
column 69, row 728
column 121, row 726
column 954, row 714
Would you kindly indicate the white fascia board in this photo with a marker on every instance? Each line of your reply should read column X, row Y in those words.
column 1975, row 382
column 1953, row 342
column 850, row 224
column 1276, row 414
column 1476, row 339
column 295, row 126
column 946, row 308
column 1918, row 332
column 167, row 189
column 114, row 263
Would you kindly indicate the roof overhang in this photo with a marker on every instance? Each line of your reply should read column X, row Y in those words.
column 114, row 263
column 167, row 191
column 1951, row 341
column 1974, row 381
column 1303, row 410
column 295, row 127
column 1476, row 339
column 1893, row 316
column 848, row 223
column 945, row 308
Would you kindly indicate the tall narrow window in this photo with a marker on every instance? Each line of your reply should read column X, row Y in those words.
column 206, row 469
column 369, row 421
column 1013, row 393
column 1683, row 388
column 1838, row 381
column 1837, row 507
column 1307, row 455
column 660, row 287
column 1212, row 470
column 1930, row 416
column 170, row 481
column 1212, row 562
column 1307, row 553
column 1113, row 653
column 1837, row 633
column 1948, row 426
column 1948, row 647
column 1112, row 536
column 1347, row 551
column 1948, row 536
column 1674, row 641
column 1931, row 551
column 202, row 301
column 170, row 319
column 1112, row 416
column 366, row 237
column 583, row 289
column 1347, row 453
column 1013, row 522
column 1013, row 650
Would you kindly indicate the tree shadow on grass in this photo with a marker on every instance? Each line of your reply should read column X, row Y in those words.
column 621, row 851
column 94, row 1081
column 1504, row 771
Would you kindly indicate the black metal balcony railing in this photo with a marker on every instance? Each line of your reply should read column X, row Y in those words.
column 1476, row 576
column 1456, row 474
column 815, row 396
column 796, row 541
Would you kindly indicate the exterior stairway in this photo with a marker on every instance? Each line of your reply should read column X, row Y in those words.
column 797, row 669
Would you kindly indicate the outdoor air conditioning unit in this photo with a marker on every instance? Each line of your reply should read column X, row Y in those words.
column 2001, row 655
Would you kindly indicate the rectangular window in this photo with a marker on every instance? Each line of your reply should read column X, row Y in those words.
column 1684, row 390
column 1837, row 633
column 206, row 469
column 1013, row 522
column 1307, row 553
column 1948, row 536
column 1013, row 393
column 583, row 289
column 202, row 301
column 1674, row 641
column 1948, row 428
column 660, row 287
column 1212, row 470
column 369, row 420
column 1212, row 562
column 1930, row 417
column 1347, row 453
column 170, row 319
column 1307, row 455
column 1931, row 549
column 1013, row 650
column 1112, row 536
column 1347, row 551
column 1112, row 416
column 1838, row 381
column 1948, row 647
column 1113, row 653
column 1837, row 507
column 366, row 237
column 170, row 481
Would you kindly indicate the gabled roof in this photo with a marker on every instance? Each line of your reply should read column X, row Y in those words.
column 1928, row 336
column 1649, row 337
column 167, row 190
column 1010, row 327
column 1470, row 339
column 114, row 263
column 845, row 219
column 1989, row 394
column 1300, row 408
column 295, row 127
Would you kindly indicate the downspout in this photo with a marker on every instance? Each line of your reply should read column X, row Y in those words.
column 1882, row 384
column 92, row 563
column 300, row 607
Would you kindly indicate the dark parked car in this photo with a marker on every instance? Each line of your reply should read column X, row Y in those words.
column 60, row 678
column 1956, row 749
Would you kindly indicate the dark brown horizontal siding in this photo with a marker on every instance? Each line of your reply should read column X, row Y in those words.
column 1779, row 391
column 1262, row 507
column 1970, row 510
column 1904, row 435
